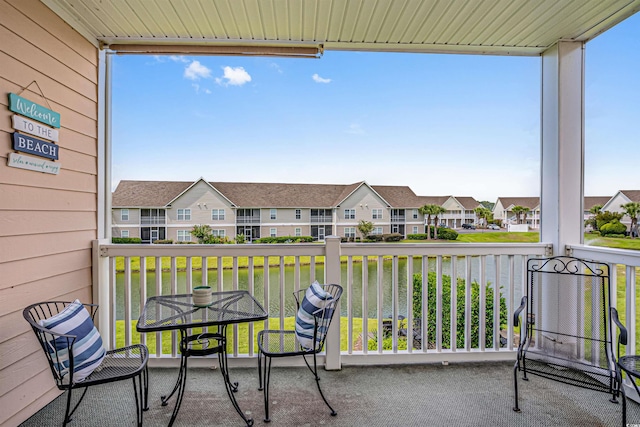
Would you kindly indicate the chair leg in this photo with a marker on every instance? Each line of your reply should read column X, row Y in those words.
column 138, row 394
column 145, row 376
column 68, row 415
column 260, row 385
column 267, row 377
column 515, row 387
column 315, row 373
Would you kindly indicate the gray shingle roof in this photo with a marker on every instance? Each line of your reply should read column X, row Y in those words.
column 591, row 201
column 147, row 193
column 527, row 202
column 633, row 195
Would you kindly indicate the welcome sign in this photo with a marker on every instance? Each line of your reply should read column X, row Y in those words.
column 24, row 107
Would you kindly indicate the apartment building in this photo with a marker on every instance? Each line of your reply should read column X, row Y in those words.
column 158, row 210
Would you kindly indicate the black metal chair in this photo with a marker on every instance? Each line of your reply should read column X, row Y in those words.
column 629, row 364
column 119, row 364
column 565, row 334
column 284, row 343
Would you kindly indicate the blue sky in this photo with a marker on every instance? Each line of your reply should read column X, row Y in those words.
column 441, row 124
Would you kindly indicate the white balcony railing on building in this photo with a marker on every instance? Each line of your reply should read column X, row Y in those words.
column 153, row 220
column 449, row 331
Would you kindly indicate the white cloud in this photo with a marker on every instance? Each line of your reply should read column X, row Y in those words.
column 178, row 58
column 234, row 76
column 196, row 70
column 276, row 67
column 196, row 87
column 207, row 91
column 316, row 78
column 355, row 129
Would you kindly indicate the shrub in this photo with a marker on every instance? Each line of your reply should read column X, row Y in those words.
column 606, row 217
column 241, row 238
column 419, row 236
column 612, row 228
column 447, row 234
column 393, row 237
column 284, row 239
column 375, row 237
column 460, row 304
column 126, row 240
column 163, row 242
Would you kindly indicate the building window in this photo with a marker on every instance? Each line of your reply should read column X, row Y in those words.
column 298, row 214
column 184, row 236
column 124, row 233
column 273, row 232
column 349, row 214
column 298, row 231
column 415, row 230
column 184, row 214
column 376, row 213
column 377, row 230
column 217, row 214
column 415, row 214
column 124, row 215
column 273, row 213
column 218, row 233
column 349, row 232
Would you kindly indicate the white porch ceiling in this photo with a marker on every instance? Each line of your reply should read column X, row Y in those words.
column 503, row 27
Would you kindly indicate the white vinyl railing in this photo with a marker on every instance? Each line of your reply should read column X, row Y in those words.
column 377, row 317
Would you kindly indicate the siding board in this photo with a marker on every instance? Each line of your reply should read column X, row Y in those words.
column 34, row 57
column 41, row 384
column 47, row 19
column 17, row 22
column 25, row 247
column 15, row 197
column 66, row 180
column 16, row 223
column 43, row 290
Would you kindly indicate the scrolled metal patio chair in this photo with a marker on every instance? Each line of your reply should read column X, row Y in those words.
column 76, row 356
column 566, row 325
column 315, row 312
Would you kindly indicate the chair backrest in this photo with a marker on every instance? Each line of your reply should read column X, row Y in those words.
column 43, row 310
column 567, row 313
column 323, row 317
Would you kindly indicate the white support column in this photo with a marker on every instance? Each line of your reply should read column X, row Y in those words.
column 100, row 265
column 562, row 146
column 562, row 172
column 332, row 276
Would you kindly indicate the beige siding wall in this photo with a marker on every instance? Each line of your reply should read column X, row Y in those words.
column 47, row 222
column 363, row 200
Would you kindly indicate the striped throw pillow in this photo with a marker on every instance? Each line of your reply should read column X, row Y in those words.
column 314, row 301
column 88, row 350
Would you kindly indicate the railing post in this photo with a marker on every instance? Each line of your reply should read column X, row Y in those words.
column 332, row 276
column 101, row 283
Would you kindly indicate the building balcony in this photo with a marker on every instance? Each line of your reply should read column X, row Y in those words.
column 325, row 219
column 153, row 220
column 248, row 220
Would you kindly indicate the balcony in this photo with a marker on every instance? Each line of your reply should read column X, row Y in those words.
column 153, row 220
column 468, row 394
column 324, row 219
column 248, row 219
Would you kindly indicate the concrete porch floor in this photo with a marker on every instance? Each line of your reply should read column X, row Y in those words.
column 464, row 394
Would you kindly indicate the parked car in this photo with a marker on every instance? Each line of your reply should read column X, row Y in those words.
column 468, row 226
column 493, row 227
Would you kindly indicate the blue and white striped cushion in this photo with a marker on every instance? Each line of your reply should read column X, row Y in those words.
column 88, row 350
column 314, row 301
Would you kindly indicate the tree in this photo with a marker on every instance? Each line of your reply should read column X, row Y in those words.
column 365, row 228
column 439, row 210
column 488, row 205
column 632, row 209
column 201, row 232
column 606, row 217
column 520, row 211
column 428, row 210
column 594, row 211
column 484, row 214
